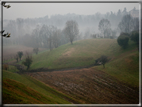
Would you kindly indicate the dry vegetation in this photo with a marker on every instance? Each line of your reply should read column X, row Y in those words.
column 89, row 85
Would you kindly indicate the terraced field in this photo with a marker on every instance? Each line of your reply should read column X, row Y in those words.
column 89, row 85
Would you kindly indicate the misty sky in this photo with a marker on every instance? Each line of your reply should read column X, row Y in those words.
column 35, row 10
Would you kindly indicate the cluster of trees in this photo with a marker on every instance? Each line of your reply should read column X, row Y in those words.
column 28, row 58
column 51, row 37
column 18, row 55
column 129, row 28
column 123, row 39
column 88, row 25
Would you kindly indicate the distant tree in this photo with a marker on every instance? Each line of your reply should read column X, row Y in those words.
column 135, row 37
column 55, row 38
column 113, row 34
column 104, row 25
column 126, row 24
column 71, row 30
column 51, row 30
column 16, row 57
column 28, row 61
column 20, row 54
column 35, row 50
column 123, row 40
column 107, row 33
column 135, row 24
column 124, row 11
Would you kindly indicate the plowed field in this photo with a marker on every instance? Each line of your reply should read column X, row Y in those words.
column 89, row 86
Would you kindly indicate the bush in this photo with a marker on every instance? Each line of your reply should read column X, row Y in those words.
column 123, row 40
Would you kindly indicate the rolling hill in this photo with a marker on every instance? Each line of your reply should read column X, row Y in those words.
column 123, row 66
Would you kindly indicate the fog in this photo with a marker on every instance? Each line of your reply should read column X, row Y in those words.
column 34, row 31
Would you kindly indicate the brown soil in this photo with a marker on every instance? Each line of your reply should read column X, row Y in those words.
column 89, row 86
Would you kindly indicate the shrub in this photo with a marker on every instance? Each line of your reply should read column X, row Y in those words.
column 123, row 40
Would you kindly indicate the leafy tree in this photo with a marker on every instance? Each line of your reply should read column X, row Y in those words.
column 123, row 40
column 35, row 50
column 28, row 61
column 71, row 30
column 20, row 54
column 104, row 25
column 135, row 37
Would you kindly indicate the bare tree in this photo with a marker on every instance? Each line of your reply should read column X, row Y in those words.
column 51, row 30
column 71, row 30
column 127, row 24
column 104, row 25
column 55, row 38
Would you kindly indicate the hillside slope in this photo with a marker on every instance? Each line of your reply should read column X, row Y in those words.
column 123, row 64
column 26, row 90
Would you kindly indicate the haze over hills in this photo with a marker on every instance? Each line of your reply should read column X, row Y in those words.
column 88, row 24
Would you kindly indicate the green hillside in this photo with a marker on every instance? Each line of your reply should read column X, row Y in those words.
column 26, row 90
column 123, row 64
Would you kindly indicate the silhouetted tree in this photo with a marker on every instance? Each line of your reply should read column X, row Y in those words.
column 123, row 40
column 104, row 25
column 71, row 30
column 20, row 54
